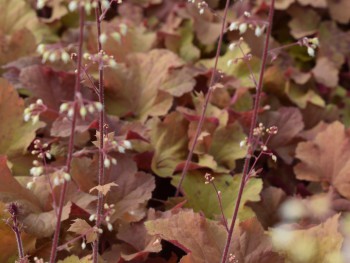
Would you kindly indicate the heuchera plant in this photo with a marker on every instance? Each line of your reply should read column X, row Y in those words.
column 174, row 131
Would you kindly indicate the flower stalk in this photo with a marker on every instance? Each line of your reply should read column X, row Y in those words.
column 71, row 138
column 246, row 167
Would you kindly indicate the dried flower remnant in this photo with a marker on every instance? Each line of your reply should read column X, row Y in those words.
column 14, row 210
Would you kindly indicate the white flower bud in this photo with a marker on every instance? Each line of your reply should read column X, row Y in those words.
column 30, row 185
column 83, row 112
column 39, row 102
column 63, row 107
column 243, row 28
column 48, row 155
column 112, row 63
column 53, row 57
column 229, row 63
column 91, row 109
column 99, row 106
column 40, row 49
column 201, row 11
column 83, row 245
column 258, row 31
column 87, row 7
column 66, row 176
column 233, row 26
column 56, row 181
column 311, row 51
column 26, row 117
column 65, row 57
column 40, row 4
column 110, row 226
column 92, row 217
column 107, row 163
column 35, row 119
column 116, row 36
column 232, row 46
column 70, row 112
column 103, row 38
column 121, row 149
column 114, row 161
column 72, row 6
column 127, row 144
column 123, row 29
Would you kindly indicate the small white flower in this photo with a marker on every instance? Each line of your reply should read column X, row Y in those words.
column 100, row 230
column 53, row 57
column 91, row 109
column 243, row 28
column 40, row 4
column 116, row 36
column 56, row 181
column 65, row 57
column 229, row 63
column 123, row 29
column 39, row 102
column 258, row 31
column 103, row 38
column 40, row 49
column 30, row 185
column 99, row 106
column 83, row 112
column 311, row 51
column 127, row 144
column 70, row 112
column 87, row 7
column 83, row 245
column 233, row 26
column 121, row 149
column 232, row 46
column 67, row 177
column 72, row 6
column 35, row 119
column 26, row 117
column 247, row 14
column 107, row 163
column 274, row 158
column 63, row 107
column 112, row 63
column 92, row 217
column 108, row 218
column 114, row 161
column 48, row 155
column 201, row 11
column 242, row 144
column 110, row 226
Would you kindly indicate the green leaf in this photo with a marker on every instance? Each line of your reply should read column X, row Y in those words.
column 202, row 197
column 169, row 139
column 239, row 69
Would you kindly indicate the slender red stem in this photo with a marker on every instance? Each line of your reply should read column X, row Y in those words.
column 218, row 194
column 101, row 170
column 206, row 102
column 71, row 138
column 250, row 137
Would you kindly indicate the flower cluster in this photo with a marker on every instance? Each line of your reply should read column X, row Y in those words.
column 208, row 178
column 201, row 5
column 101, row 58
column 83, row 105
column 33, row 111
column 53, row 53
column 311, row 44
column 117, row 34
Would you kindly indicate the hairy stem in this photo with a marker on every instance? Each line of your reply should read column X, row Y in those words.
column 250, row 137
column 206, row 102
column 101, row 170
column 71, row 138
column 19, row 242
